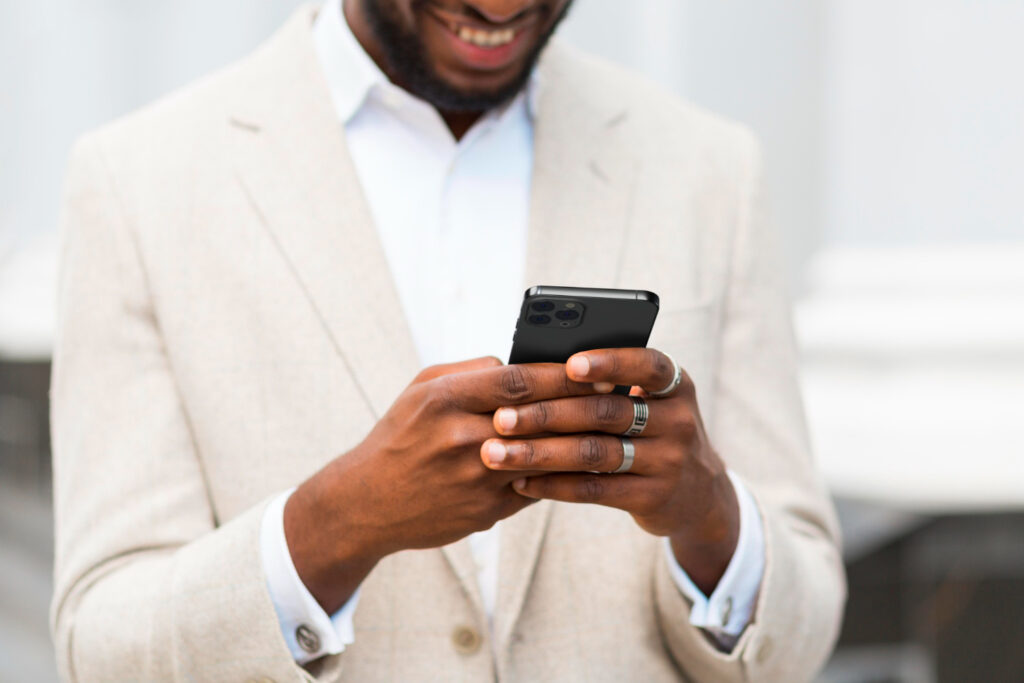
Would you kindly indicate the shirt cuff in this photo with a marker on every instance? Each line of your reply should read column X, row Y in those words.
column 728, row 611
column 307, row 629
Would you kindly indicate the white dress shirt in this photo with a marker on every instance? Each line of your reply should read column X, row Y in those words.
column 452, row 217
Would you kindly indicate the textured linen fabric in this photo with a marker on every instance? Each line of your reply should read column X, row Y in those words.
column 452, row 220
column 215, row 347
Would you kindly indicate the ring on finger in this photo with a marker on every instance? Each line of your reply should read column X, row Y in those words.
column 639, row 416
column 628, row 454
column 677, row 377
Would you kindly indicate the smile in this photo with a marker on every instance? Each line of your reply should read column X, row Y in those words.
column 486, row 39
column 481, row 45
column 473, row 33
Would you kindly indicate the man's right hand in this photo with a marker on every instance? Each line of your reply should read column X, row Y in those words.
column 417, row 480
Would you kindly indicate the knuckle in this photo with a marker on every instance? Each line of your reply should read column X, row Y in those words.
column 675, row 458
column 592, row 452
column 464, row 472
column 529, row 454
column 451, row 439
column 479, row 476
column 540, row 486
column 540, row 413
column 605, row 410
column 516, row 384
column 661, row 365
column 647, row 504
column 686, row 385
column 590, row 489
column 424, row 374
column 569, row 387
column 686, row 425
column 440, row 395
column 461, row 436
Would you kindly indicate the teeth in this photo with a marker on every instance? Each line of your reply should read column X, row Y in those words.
column 486, row 38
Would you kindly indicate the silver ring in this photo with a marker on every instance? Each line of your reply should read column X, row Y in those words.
column 676, row 379
column 639, row 417
column 628, row 452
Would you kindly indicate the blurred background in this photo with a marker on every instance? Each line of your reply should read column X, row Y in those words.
column 894, row 133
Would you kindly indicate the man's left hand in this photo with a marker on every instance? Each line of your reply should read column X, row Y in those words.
column 677, row 486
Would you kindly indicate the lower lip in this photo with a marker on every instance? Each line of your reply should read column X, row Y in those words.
column 487, row 58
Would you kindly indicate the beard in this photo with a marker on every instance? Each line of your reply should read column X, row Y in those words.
column 408, row 64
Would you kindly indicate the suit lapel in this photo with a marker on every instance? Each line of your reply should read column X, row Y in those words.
column 582, row 182
column 579, row 222
column 296, row 172
column 295, row 169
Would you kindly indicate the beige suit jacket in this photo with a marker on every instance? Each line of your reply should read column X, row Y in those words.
column 228, row 325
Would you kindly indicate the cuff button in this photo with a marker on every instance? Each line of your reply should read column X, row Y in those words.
column 307, row 639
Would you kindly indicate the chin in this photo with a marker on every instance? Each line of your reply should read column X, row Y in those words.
column 480, row 86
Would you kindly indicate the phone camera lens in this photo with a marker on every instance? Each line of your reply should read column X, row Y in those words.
column 543, row 306
column 540, row 319
column 567, row 315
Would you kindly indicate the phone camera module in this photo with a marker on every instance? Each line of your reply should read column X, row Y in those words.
column 567, row 315
column 539, row 319
column 543, row 306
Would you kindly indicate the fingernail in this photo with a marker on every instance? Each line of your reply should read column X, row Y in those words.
column 579, row 365
column 519, row 484
column 603, row 387
column 507, row 418
column 496, row 452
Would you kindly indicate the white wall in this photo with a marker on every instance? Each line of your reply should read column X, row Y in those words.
column 925, row 121
column 884, row 121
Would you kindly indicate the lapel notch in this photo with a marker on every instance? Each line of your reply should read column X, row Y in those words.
column 294, row 167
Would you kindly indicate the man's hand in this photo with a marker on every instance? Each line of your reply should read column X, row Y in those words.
column 677, row 486
column 416, row 481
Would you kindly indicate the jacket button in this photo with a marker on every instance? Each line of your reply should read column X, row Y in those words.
column 466, row 640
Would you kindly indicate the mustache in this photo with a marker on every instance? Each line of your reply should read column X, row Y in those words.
column 469, row 13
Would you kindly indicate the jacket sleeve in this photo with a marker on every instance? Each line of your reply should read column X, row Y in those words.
column 149, row 583
column 760, row 432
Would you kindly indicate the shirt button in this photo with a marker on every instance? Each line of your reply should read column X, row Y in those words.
column 307, row 639
column 466, row 640
column 765, row 651
column 726, row 611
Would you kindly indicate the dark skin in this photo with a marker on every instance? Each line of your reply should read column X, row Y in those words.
column 429, row 472
column 431, row 21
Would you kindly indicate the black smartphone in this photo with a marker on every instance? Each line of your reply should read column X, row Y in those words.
column 556, row 322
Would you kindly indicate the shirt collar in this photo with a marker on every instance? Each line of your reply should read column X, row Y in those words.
column 352, row 75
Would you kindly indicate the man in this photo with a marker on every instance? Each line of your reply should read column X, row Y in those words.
column 257, row 478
